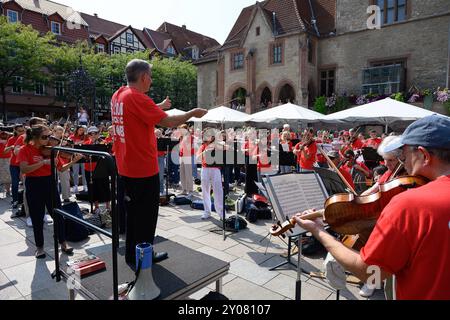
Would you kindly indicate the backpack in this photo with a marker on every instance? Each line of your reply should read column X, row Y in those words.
column 182, row 201
column 235, row 223
column 75, row 232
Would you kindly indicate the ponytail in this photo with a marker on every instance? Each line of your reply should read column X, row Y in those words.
column 34, row 132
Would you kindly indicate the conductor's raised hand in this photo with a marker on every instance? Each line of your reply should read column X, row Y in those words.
column 198, row 113
column 166, row 104
column 312, row 226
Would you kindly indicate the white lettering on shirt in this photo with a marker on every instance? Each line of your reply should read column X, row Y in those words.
column 117, row 121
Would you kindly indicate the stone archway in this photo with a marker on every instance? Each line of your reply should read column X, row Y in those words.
column 266, row 98
column 286, row 94
column 238, row 98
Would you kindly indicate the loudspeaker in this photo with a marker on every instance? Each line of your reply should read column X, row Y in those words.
column 145, row 287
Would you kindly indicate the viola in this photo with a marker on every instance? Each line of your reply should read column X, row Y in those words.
column 354, row 215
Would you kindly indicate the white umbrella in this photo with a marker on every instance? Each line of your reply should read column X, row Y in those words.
column 287, row 112
column 384, row 111
column 175, row 112
column 223, row 115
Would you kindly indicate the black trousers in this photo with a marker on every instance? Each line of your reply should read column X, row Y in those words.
column 39, row 197
column 142, row 206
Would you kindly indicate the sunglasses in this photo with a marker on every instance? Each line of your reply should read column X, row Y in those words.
column 44, row 137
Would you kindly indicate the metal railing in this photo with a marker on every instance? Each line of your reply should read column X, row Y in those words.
column 114, row 235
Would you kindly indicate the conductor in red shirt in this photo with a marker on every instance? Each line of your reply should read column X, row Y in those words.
column 134, row 117
column 411, row 239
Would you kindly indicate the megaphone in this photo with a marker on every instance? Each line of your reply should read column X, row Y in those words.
column 145, row 287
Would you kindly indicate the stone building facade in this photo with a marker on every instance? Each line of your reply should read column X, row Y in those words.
column 296, row 50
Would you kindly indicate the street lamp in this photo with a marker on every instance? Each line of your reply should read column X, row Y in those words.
column 82, row 86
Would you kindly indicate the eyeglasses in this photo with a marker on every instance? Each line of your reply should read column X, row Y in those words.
column 44, row 137
column 93, row 133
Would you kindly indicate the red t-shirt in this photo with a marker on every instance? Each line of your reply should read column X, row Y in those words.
column 357, row 145
column 12, row 142
column 61, row 162
column 385, row 177
column 412, row 241
column 78, row 139
column 201, row 150
column 134, row 116
column 373, row 143
column 348, row 168
column 31, row 155
column 88, row 165
column 311, row 151
column 3, row 144
column 19, row 143
column 346, row 174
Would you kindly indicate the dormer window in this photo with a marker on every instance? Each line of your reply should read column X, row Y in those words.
column 56, row 28
column 170, row 50
column 13, row 16
column 130, row 38
column 100, row 48
column 195, row 53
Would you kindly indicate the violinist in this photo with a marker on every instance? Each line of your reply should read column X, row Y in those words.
column 20, row 142
column 334, row 156
column 374, row 141
column 14, row 168
column 38, row 184
column 306, row 151
column 355, row 140
column 411, row 239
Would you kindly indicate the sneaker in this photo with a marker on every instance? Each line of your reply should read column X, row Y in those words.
column 75, row 190
column 48, row 219
column 366, row 291
column 85, row 189
column 206, row 216
column 29, row 223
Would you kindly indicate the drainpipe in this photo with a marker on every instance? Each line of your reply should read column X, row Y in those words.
column 313, row 19
column 274, row 22
column 448, row 58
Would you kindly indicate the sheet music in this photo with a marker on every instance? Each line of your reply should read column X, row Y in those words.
column 296, row 193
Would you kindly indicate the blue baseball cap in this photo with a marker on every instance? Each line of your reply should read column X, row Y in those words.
column 430, row 132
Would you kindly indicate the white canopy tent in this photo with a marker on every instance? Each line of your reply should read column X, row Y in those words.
column 384, row 111
column 285, row 113
column 223, row 115
column 175, row 112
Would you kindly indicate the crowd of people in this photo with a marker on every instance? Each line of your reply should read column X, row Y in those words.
column 365, row 162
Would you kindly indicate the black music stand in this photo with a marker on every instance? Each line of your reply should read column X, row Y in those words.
column 167, row 145
column 210, row 160
column 308, row 177
column 371, row 158
column 102, row 169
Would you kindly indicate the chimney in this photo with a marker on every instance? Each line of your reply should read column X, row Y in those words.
column 183, row 26
column 95, row 15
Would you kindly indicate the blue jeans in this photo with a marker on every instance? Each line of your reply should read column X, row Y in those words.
column 162, row 168
column 174, row 171
column 285, row 169
column 15, row 179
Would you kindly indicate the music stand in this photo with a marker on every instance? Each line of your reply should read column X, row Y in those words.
column 102, row 169
column 331, row 181
column 222, row 163
column 371, row 158
column 291, row 194
column 167, row 145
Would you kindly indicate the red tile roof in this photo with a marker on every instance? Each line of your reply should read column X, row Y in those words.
column 160, row 40
column 98, row 26
column 184, row 38
column 290, row 16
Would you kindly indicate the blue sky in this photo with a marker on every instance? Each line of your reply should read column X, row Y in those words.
column 213, row 18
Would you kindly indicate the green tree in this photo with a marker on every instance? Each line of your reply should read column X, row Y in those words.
column 320, row 105
column 24, row 53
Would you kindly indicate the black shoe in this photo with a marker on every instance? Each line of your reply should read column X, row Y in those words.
column 159, row 256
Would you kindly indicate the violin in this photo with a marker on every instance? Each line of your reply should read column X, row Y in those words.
column 352, row 215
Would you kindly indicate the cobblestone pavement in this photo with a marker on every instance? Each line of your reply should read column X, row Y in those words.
column 249, row 253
